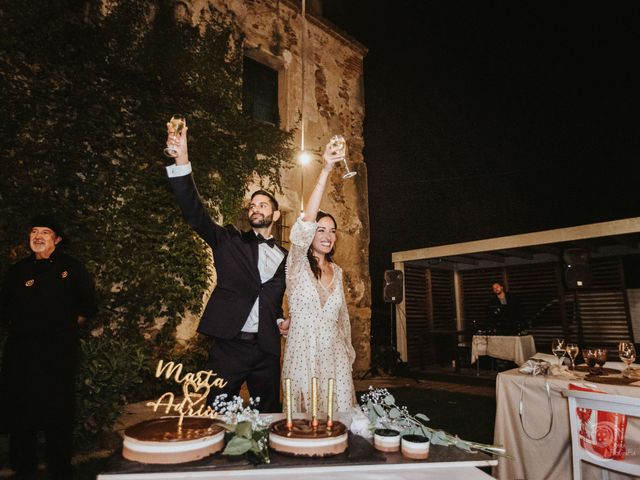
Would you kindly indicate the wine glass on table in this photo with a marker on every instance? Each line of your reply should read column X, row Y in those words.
column 589, row 356
column 559, row 348
column 177, row 124
column 601, row 359
column 572, row 351
column 627, row 352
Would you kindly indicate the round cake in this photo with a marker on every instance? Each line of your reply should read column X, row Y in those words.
column 302, row 440
column 161, row 440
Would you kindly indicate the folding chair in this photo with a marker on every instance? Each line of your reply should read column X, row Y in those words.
column 629, row 406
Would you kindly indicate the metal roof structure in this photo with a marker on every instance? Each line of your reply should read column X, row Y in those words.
column 614, row 238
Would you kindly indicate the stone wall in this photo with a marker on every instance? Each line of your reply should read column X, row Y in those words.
column 333, row 104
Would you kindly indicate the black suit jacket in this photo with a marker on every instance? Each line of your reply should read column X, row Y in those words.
column 507, row 319
column 235, row 256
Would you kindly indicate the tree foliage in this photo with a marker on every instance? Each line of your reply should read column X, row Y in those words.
column 85, row 95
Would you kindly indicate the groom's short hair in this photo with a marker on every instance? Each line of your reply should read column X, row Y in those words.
column 272, row 199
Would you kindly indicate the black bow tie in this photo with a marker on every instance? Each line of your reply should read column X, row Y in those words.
column 269, row 241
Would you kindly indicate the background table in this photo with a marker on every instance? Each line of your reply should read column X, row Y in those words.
column 548, row 458
column 517, row 349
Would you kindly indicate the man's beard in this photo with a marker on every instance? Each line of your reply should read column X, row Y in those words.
column 263, row 222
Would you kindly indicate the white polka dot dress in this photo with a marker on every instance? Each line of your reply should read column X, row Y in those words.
column 319, row 339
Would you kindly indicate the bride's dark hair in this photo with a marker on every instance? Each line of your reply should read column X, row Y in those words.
column 313, row 261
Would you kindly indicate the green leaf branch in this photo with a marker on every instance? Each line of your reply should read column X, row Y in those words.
column 85, row 96
column 380, row 407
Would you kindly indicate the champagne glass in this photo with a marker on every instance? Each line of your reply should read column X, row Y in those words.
column 572, row 351
column 338, row 144
column 559, row 348
column 627, row 352
column 177, row 124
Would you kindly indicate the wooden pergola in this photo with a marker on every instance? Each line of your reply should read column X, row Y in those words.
column 454, row 268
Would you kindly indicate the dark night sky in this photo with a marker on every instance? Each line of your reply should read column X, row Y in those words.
column 493, row 118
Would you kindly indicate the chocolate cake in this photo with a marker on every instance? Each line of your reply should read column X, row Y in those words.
column 162, row 440
column 303, row 440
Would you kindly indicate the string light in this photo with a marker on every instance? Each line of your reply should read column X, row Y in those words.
column 304, row 158
column 303, row 61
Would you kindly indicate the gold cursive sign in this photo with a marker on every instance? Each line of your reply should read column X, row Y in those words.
column 195, row 387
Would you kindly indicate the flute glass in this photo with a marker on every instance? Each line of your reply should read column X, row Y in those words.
column 339, row 145
column 177, row 124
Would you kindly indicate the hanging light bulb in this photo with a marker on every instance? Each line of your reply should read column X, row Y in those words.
column 304, row 158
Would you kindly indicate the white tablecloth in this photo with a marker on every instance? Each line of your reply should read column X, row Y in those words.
column 550, row 457
column 378, row 472
column 517, row 349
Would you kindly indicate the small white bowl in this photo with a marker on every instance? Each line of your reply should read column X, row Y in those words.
column 386, row 440
column 415, row 447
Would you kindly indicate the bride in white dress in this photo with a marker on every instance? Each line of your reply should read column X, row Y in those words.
column 319, row 337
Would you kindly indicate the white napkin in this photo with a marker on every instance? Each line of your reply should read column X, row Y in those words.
column 534, row 367
column 357, row 421
column 552, row 359
column 562, row 371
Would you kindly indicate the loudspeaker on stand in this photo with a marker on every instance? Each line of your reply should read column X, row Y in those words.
column 577, row 273
column 393, row 290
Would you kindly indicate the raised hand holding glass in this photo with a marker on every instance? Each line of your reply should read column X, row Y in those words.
column 176, row 124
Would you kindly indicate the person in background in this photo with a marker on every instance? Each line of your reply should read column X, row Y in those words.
column 44, row 300
column 319, row 340
column 505, row 312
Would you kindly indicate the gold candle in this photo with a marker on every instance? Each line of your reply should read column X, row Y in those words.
column 330, row 403
column 314, row 402
column 287, row 395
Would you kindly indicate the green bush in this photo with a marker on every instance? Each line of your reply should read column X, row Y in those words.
column 84, row 100
column 111, row 369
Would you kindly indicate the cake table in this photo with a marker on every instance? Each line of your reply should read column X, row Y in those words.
column 359, row 461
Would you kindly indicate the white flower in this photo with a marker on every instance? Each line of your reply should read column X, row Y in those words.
column 233, row 413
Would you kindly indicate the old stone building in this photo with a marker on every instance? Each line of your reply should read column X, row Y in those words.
column 305, row 74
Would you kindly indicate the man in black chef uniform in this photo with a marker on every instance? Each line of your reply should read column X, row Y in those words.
column 44, row 300
column 244, row 313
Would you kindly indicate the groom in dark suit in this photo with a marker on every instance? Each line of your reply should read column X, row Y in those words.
column 244, row 313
